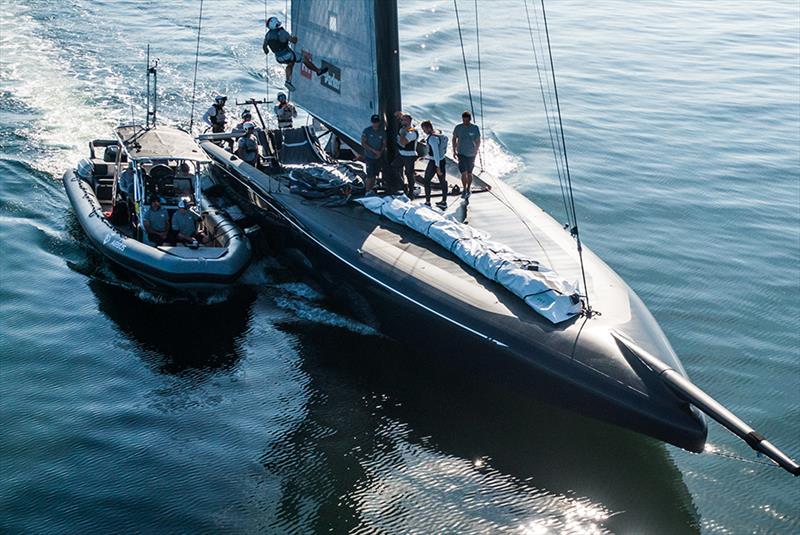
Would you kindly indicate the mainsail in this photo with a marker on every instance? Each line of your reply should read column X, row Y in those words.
column 340, row 36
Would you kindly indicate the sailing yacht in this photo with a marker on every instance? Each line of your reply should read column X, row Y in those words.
column 591, row 346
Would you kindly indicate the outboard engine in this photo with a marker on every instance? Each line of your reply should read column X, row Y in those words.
column 85, row 169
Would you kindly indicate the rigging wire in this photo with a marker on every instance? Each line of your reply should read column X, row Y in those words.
column 574, row 229
column 480, row 83
column 196, row 61
column 556, row 150
column 266, row 56
column 464, row 58
column 572, row 221
column 497, row 192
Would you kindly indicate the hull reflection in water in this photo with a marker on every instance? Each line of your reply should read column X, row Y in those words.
column 424, row 445
column 179, row 336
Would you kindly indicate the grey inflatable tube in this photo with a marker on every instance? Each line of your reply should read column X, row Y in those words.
column 214, row 266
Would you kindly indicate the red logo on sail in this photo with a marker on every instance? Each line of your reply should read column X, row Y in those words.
column 305, row 71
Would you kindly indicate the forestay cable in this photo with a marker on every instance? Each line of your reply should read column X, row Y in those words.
column 196, row 61
column 266, row 56
column 464, row 58
column 554, row 143
column 574, row 229
column 551, row 114
column 480, row 82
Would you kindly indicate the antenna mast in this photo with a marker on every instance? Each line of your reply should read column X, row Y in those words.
column 152, row 71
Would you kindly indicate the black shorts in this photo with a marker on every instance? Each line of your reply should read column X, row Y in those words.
column 466, row 163
column 285, row 57
column 374, row 166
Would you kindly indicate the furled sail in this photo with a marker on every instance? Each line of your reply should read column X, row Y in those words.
column 538, row 286
column 340, row 36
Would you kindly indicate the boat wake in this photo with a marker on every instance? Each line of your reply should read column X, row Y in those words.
column 304, row 303
column 41, row 76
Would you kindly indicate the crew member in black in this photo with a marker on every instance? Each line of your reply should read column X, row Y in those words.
column 285, row 112
column 215, row 115
column 406, row 141
column 247, row 146
column 239, row 128
column 373, row 141
column 277, row 40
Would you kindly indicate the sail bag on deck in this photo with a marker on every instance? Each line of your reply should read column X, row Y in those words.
column 539, row 286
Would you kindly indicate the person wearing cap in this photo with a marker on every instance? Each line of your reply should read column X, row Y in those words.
column 284, row 111
column 239, row 128
column 247, row 146
column 184, row 225
column 215, row 115
column 156, row 222
column 437, row 147
column 406, row 141
column 373, row 141
column 466, row 142
column 277, row 40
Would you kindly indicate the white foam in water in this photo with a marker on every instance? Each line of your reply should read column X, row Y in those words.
column 301, row 290
column 65, row 123
column 85, row 98
column 304, row 310
column 494, row 161
column 300, row 299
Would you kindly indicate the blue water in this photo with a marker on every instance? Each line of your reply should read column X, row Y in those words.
column 267, row 409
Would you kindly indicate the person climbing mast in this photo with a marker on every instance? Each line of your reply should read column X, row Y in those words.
column 277, row 40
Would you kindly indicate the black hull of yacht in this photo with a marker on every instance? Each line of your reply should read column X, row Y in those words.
column 151, row 264
column 547, row 376
column 554, row 363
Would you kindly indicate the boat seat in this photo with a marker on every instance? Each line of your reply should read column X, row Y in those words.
column 103, row 168
column 300, row 146
column 104, row 191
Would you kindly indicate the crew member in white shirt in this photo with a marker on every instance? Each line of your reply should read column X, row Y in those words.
column 437, row 147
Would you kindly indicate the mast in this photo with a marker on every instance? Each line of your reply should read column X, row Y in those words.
column 387, row 52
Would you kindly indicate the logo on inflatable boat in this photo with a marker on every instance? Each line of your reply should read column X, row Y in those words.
column 115, row 242
column 333, row 78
